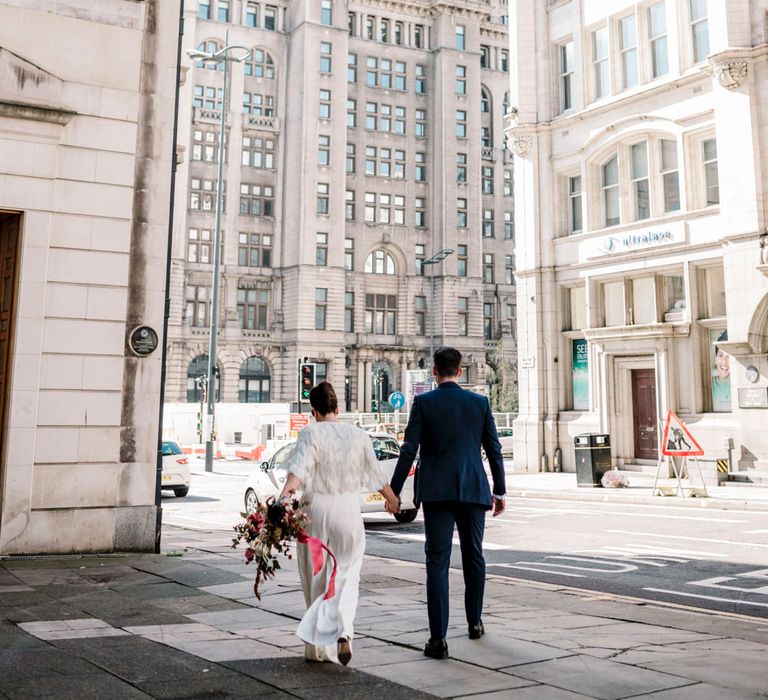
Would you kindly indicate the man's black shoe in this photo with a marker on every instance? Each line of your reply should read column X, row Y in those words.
column 476, row 631
column 436, row 649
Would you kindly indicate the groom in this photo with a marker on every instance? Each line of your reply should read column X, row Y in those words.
column 450, row 425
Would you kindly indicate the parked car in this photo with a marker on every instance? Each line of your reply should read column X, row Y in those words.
column 268, row 479
column 505, row 438
column 176, row 471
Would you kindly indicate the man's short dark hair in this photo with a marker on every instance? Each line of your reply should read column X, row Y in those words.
column 447, row 362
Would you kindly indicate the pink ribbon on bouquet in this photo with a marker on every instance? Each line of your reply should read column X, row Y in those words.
column 316, row 548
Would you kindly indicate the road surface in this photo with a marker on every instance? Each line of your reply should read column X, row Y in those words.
column 713, row 559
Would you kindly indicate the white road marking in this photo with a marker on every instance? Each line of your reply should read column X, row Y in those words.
column 691, row 539
column 717, row 581
column 756, row 532
column 707, row 597
column 417, row 537
column 520, row 564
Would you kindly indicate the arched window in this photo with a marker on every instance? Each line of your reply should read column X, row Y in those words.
column 380, row 262
column 254, row 381
column 259, row 65
column 196, row 373
column 210, row 46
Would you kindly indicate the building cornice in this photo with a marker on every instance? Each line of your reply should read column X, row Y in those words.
column 37, row 113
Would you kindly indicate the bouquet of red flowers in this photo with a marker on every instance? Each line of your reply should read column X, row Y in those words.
column 268, row 530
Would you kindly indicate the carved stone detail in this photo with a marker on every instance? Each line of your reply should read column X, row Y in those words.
column 730, row 74
column 521, row 145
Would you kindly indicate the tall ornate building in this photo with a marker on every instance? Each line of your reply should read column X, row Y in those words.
column 363, row 137
column 640, row 139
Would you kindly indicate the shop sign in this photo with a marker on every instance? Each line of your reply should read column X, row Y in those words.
column 635, row 240
column 580, row 374
column 753, row 397
column 298, row 421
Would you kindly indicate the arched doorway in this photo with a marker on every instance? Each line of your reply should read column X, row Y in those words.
column 254, row 386
column 196, row 369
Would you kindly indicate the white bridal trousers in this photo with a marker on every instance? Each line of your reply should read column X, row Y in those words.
column 335, row 520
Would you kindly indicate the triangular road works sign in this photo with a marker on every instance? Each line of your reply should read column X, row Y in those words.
column 678, row 441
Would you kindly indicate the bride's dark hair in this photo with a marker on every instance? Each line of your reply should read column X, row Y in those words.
column 323, row 398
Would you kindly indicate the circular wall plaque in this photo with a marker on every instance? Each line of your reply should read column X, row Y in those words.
column 142, row 341
column 753, row 374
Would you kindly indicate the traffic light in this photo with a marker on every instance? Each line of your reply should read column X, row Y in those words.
column 306, row 379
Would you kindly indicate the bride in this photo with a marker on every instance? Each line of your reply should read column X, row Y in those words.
column 332, row 462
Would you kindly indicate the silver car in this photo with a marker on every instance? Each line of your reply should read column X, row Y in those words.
column 268, row 479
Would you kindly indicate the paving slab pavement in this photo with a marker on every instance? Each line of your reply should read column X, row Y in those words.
column 563, row 486
column 185, row 624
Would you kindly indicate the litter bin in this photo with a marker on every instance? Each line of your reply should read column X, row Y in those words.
column 593, row 458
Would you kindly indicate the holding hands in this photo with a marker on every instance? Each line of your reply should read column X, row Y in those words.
column 392, row 504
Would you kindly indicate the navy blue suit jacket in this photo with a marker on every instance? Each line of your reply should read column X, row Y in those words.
column 450, row 424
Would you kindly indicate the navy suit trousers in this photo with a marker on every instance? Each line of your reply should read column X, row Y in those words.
column 440, row 518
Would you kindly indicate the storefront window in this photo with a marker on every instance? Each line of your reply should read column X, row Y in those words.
column 720, row 372
column 674, row 292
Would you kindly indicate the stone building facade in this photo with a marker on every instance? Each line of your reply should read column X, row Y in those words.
column 86, row 111
column 363, row 137
column 641, row 143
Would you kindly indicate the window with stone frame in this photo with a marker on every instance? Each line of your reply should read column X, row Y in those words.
column 258, row 152
column 199, row 245
column 461, row 212
column 323, row 149
column 259, row 65
column 420, row 212
column 349, row 205
column 461, row 167
column 256, row 200
column 207, row 97
column 205, row 144
column 351, row 113
column 321, row 308
column 381, row 314
column 321, row 249
column 380, row 262
column 258, row 105
column 566, row 78
column 324, row 104
column 489, row 268
column 197, row 305
column 509, row 226
column 326, row 57
column 420, row 129
column 252, row 306
column 349, row 254
column 202, row 194
column 322, row 198
column 420, row 314
column 487, row 179
column 254, row 249
column 462, row 305
column 657, row 33
column 420, row 82
column 699, row 30
column 461, row 259
column 326, row 12
column 349, row 312
column 352, row 68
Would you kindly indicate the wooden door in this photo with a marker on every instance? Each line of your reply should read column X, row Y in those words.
column 644, row 412
column 9, row 249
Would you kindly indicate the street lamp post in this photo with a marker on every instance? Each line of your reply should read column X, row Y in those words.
column 216, row 57
column 434, row 260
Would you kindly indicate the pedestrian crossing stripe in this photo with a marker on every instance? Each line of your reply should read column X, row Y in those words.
column 722, row 466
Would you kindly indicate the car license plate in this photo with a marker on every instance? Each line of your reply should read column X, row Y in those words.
column 374, row 498
column 167, row 477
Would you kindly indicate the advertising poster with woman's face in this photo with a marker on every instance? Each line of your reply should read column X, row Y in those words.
column 721, row 372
